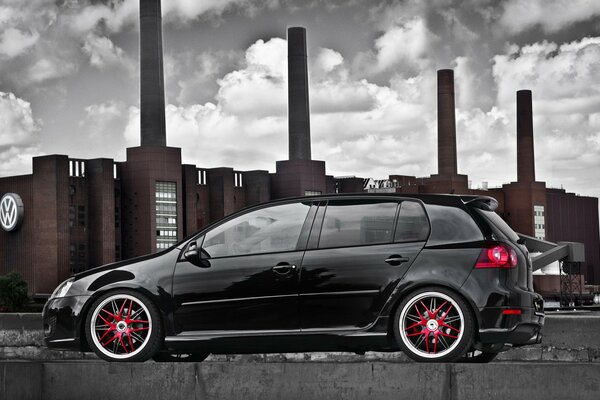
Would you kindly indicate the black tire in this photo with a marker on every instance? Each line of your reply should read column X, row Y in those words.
column 124, row 325
column 180, row 357
column 478, row 357
column 434, row 324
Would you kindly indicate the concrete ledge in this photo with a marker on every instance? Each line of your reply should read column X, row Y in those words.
column 372, row 380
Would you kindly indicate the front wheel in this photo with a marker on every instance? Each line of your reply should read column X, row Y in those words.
column 124, row 326
column 433, row 325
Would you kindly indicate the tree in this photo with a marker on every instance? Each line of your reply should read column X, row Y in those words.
column 13, row 291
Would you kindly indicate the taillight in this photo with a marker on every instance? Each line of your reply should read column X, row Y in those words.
column 497, row 255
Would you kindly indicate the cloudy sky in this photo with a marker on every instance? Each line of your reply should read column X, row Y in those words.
column 69, row 83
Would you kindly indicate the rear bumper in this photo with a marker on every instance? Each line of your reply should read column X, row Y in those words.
column 515, row 329
column 521, row 335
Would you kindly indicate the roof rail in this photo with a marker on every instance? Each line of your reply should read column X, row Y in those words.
column 482, row 202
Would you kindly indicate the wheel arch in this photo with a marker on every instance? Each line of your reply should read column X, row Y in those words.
column 85, row 346
column 407, row 290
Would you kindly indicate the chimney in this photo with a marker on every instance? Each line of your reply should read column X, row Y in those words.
column 152, row 96
column 446, row 124
column 298, row 113
column 525, row 157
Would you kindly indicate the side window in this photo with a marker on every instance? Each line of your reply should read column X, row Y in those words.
column 451, row 225
column 268, row 230
column 352, row 223
column 412, row 225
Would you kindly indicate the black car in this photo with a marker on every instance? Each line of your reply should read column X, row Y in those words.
column 440, row 277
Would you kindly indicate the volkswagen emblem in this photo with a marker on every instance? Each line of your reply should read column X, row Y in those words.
column 11, row 211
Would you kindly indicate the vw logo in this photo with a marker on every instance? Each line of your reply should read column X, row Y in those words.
column 11, row 211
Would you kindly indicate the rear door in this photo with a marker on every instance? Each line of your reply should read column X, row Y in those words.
column 358, row 251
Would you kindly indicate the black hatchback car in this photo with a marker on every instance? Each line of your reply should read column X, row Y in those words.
column 440, row 277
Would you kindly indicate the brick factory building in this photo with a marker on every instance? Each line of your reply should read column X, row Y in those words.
column 76, row 214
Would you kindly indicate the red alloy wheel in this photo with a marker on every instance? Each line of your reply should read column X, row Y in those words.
column 121, row 327
column 432, row 326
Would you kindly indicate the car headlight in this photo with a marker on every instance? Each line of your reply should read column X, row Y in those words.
column 62, row 289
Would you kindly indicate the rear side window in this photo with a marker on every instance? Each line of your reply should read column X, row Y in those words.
column 451, row 225
column 412, row 225
column 499, row 223
column 354, row 223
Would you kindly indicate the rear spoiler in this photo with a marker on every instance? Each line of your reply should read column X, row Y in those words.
column 486, row 203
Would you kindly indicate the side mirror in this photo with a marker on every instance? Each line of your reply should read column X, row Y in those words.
column 196, row 257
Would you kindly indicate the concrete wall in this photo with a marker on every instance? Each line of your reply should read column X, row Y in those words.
column 376, row 380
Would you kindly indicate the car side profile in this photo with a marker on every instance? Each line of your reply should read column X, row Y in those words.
column 440, row 277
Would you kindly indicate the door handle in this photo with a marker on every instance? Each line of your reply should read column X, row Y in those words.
column 283, row 268
column 395, row 259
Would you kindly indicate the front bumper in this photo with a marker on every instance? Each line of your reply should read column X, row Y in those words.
column 62, row 322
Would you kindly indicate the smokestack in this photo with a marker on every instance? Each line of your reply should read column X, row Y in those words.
column 152, row 94
column 525, row 156
column 446, row 124
column 298, row 113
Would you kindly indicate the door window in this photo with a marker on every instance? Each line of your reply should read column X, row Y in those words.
column 268, row 230
column 352, row 223
column 412, row 225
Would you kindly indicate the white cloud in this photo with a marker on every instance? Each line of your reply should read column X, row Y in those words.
column 103, row 53
column 14, row 42
column 551, row 15
column 486, row 146
column 405, row 43
column 260, row 88
column 46, row 69
column 19, row 135
column 18, row 125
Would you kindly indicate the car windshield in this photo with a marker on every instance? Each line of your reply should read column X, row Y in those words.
column 499, row 223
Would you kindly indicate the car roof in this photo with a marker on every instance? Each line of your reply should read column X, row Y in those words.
column 483, row 202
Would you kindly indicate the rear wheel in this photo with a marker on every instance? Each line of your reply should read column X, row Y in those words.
column 433, row 325
column 124, row 326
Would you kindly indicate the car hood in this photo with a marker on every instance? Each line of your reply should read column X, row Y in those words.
column 123, row 263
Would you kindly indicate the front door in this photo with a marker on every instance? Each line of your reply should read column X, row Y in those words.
column 249, row 280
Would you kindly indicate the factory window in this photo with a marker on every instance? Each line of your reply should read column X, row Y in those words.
column 72, row 253
column 81, row 216
column 72, row 214
column 238, row 179
column 201, row 177
column 82, row 258
column 312, row 192
column 166, row 214
column 539, row 222
column 117, row 217
column 77, row 168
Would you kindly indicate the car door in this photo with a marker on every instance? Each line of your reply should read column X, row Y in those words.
column 248, row 278
column 358, row 252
